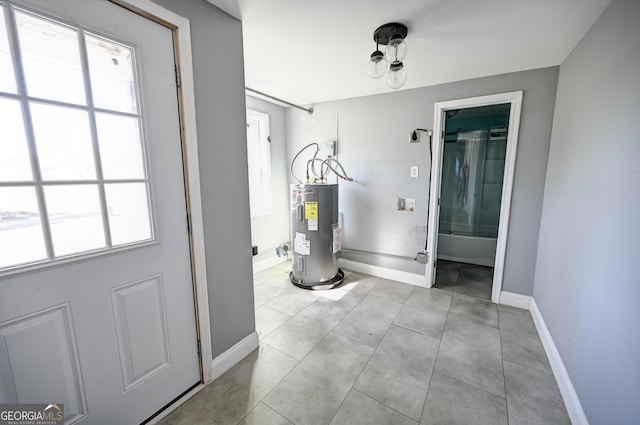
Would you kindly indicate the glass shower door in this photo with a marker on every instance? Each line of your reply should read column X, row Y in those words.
column 472, row 174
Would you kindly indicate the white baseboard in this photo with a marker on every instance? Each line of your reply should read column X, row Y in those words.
column 515, row 300
column 571, row 400
column 398, row 275
column 267, row 263
column 233, row 355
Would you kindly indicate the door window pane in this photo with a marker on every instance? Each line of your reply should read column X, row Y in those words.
column 15, row 164
column 51, row 59
column 120, row 146
column 75, row 218
column 73, row 173
column 63, row 141
column 21, row 238
column 111, row 72
column 128, row 208
column 7, row 78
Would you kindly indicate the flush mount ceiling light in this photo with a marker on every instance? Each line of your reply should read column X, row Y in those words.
column 391, row 35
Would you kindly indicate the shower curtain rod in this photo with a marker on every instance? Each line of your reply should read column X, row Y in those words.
column 308, row 110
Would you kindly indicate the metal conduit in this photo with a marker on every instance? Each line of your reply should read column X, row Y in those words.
column 308, row 110
column 382, row 254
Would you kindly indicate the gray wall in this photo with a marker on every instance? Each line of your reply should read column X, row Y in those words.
column 373, row 146
column 586, row 281
column 222, row 146
column 270, row 231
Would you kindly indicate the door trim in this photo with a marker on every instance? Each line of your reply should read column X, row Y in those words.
column 182, row 36
column 515, row 99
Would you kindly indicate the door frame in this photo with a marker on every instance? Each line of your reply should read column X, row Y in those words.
column 440, row 109
column 187, row 109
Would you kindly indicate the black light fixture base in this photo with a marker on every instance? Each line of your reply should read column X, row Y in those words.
column 383, row 33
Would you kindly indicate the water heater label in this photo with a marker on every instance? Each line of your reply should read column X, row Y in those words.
column 311, row 210
column 311, row 214
column 302, row 246
column 337, row 239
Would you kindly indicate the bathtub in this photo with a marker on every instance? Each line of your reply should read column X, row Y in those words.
column 467, row 249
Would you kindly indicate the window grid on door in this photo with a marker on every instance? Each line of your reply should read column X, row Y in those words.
column 87, row 190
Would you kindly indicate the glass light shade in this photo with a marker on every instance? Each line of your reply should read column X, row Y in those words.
column 396, row 49
column 397, row 75
column 378, row 65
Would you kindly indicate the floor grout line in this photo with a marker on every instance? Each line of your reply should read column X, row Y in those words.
column 435, row 361
column 470, row 385
column 384, row 404
column 307, row 354
column 530, row 368
column 343, row 316
column 261, row 338
column 504, row 376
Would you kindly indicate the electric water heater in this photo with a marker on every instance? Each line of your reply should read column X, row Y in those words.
column 315, row 235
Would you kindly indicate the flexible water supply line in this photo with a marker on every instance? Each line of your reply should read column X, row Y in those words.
column 323, row 163
column 326, row 163
column 296, row 157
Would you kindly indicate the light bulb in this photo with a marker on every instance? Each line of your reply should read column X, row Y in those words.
column 397, row 75
column 378, row 65
column 396, row 49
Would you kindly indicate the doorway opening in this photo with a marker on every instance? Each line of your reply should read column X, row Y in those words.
column 473, row 158
column 474, row 162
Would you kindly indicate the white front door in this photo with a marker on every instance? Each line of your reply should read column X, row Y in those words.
column 96, row 292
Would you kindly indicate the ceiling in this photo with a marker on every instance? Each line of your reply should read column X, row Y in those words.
column 309, row 51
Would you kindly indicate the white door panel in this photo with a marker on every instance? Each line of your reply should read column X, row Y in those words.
column 113, row 337
column 143, row 342
column 60, row 374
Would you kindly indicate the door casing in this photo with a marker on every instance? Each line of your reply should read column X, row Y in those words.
column 186, row 98
column 440, row 108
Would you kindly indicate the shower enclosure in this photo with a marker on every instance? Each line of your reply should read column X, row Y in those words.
column 472, row 175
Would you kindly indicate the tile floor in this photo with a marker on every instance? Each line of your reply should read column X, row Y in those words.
column 467, row 279
column 375, row 351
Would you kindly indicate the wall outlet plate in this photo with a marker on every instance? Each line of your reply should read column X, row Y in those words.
column 406, row 204
column 414, row 171
column 328, row 149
